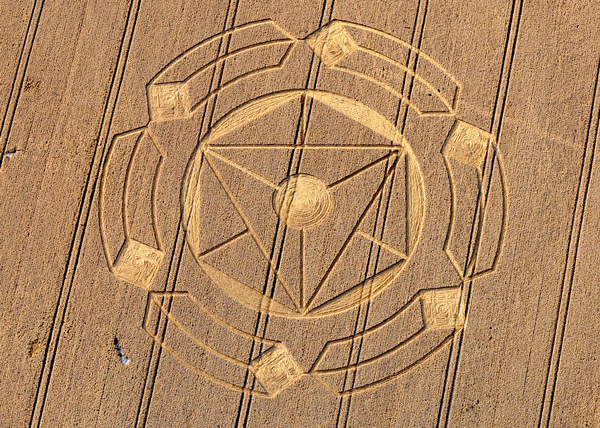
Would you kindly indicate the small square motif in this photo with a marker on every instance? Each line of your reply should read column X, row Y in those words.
column 276, row 369
column 467, row 143
column 332, row 43
column 168, row 101
column 441, row 307
column 137, row 263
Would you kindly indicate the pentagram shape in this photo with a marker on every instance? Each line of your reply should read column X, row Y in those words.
column 306, row 205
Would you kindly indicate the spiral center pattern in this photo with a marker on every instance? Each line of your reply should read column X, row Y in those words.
column 301, row 201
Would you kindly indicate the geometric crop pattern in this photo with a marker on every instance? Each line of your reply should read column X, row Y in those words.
column 306, row 203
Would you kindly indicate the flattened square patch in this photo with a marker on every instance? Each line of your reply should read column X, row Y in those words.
column 332, row 43
column 441, row 307
column 467, row 144
column 168, row 101
column 138, row 263
column 276, row 369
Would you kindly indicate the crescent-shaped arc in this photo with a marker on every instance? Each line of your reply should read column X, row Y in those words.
column 464, row 274
column 501, row 237
column 359, row 293
column 192, row 201
column 183, row 360
column 415, row 193
column 246, row 295
column 102, row 191
column 215, row 37
column 264, row 104
column 414, row 49
column 389, row 378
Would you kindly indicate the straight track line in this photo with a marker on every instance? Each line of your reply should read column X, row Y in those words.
column 566, row 289
column 299, row 139
column 82, row 218
column 177, row 255
column 418, row 27
column 495, row 129
column 19, row 78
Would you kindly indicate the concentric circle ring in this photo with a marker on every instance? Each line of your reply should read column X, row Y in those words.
column 301, row 201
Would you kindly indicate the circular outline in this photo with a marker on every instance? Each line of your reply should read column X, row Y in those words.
column 359, row 112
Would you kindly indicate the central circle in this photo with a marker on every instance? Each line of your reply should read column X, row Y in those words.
column 301, row 201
